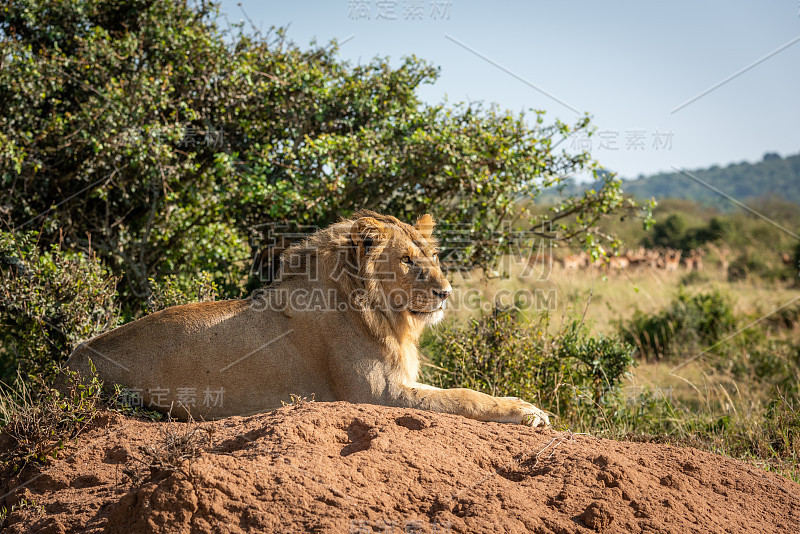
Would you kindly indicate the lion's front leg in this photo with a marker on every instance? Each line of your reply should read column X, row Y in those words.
column 469, row 403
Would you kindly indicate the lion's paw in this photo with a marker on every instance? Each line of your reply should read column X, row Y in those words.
column 529, row 414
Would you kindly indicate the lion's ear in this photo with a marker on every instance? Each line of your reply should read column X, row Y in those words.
column 367, row 232
column 425, row 226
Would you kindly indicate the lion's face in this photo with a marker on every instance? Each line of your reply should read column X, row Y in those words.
column 403, row 260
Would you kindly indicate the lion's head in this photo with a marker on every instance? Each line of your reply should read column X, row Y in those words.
column 376, row 262
column 401, row 263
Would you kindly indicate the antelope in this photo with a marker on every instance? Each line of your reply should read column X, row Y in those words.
column 694, row 261
column 698, row 259
column 653, row 259
column 722, row 253
column 672, row 259
column 636, row 259
column 575, row 261
column 618, row 263
column 722, row 256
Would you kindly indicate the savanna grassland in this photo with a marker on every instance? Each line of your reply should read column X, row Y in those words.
column 715, row 361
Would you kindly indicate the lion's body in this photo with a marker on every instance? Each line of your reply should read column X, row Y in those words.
column 326, row 329
column 186, row 349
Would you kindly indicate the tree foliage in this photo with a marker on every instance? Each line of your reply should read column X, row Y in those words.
column 143, row 131
column 673, row 232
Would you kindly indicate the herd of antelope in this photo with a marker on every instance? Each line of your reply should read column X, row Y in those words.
column 668, row 260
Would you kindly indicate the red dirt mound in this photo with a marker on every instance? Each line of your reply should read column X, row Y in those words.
column 356, row 468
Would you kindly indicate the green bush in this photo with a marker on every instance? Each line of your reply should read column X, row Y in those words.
column 40, row 421
column 768, row 360
column 746, row 265
column 675, row 233
column 172, row 291
column 689, row 323
column 149, row 133
column 667, row 233
column 49, row 303
column 571, row 373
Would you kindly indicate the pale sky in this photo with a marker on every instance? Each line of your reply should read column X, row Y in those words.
column 628, row 63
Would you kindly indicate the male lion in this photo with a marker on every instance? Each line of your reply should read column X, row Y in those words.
column 341, row 323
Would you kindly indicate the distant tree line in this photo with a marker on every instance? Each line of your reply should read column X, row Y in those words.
column 773, row 176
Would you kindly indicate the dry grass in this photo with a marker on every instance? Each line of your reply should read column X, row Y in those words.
column 606, row 300
column 612, row 297
column 178, row 446
column 40, row 422
column 692, row 399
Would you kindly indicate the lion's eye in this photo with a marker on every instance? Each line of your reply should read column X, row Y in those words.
column 407, row 260
column 435, row 258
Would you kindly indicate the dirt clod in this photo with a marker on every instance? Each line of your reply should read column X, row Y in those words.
column 598, row 517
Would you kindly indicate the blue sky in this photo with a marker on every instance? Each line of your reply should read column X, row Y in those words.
column 628, row 63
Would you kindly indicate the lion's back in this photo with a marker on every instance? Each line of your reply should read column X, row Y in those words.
column 146, row 347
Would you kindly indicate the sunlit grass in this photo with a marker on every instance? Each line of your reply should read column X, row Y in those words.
column 607, row 298
column 692, row 397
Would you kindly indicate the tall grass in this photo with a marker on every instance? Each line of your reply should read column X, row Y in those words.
column 721, row 377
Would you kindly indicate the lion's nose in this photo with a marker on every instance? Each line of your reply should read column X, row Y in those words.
column 442, row 293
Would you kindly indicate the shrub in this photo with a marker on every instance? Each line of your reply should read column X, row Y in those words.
column 49, row 302
column 570, row 373
column 172, row 291
column 40, row 421
column 180, row 444
column 674, row 232
column 668, row 233
column 151, row 131
column 689, row 322
column 746, row 265
column 768, row 361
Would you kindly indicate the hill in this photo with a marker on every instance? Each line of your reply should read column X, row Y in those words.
column 339, row 467
column 773, row 176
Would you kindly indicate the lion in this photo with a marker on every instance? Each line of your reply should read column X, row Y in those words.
column 341, row 322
